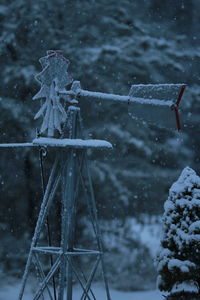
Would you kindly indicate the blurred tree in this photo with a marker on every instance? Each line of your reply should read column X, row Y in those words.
column 178, row 14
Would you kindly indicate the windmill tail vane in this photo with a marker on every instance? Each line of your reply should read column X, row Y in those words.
column 169, row 95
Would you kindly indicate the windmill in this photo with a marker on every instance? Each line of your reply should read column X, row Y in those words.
column 63, row 131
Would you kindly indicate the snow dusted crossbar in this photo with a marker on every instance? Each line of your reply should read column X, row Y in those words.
column 56, row 251
column 71, row 143
column 63, row 143
column 16, row 145
column 161, row 98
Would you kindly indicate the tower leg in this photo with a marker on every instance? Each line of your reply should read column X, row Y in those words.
column 93, row 212
column 69, row 185
column 68, row 219
column 47, row 200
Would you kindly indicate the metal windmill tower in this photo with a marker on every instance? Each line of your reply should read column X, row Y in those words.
column 70, row 171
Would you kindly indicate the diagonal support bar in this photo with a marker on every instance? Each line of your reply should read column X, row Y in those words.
column 88, row 284
column 48, row 197
column 47, row 278
column 76, row 274
column 85, row 279
column 92, row 204
column 41, row 273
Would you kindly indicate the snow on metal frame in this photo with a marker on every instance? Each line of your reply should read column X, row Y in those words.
column 14, row 145
column 72, row 143
column 68, row 143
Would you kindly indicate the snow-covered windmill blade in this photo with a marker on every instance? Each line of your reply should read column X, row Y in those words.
column 163, row 104
column 53, row 78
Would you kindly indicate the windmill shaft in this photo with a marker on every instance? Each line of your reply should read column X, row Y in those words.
column 117, row 98
column 68, row 211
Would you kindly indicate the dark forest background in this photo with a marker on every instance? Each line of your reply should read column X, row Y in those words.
column 111, row 45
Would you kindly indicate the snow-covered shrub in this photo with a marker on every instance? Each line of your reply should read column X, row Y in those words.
column 178, row 262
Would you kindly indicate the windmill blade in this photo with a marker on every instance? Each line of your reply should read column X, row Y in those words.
column 165, row 115
column 55, row 69
column 53, row 77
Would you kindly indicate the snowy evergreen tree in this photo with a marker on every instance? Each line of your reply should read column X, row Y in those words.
column 178, row 261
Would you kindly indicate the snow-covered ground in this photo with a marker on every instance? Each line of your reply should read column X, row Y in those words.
column 9, row 291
